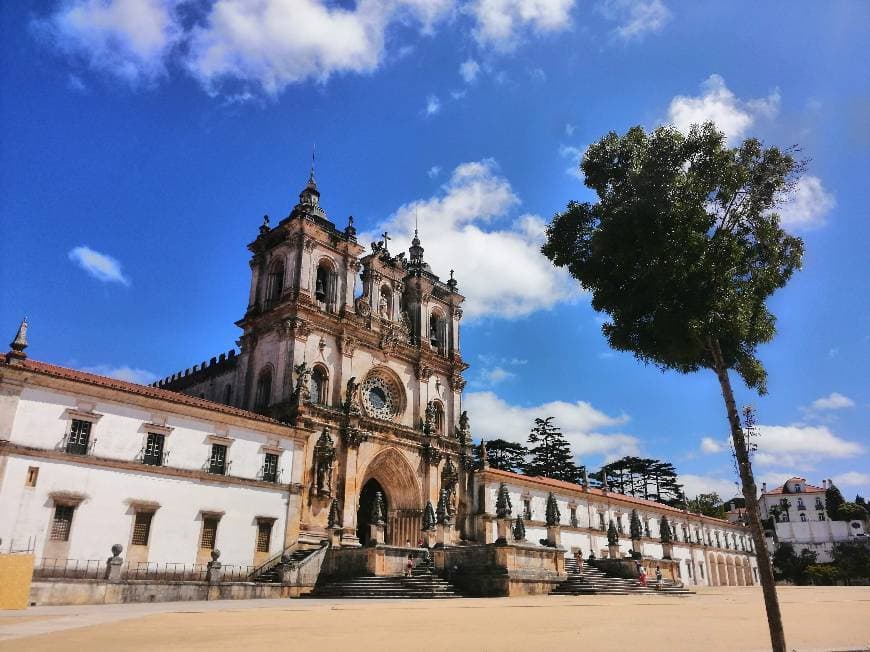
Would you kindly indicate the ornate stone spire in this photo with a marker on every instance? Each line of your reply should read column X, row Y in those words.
column 17, row 346
column 416, row 251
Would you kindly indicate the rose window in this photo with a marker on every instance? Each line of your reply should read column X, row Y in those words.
column 381, row 397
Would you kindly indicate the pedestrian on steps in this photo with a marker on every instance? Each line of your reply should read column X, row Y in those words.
column 659, row 576
column 642, row 570
column 410, row 566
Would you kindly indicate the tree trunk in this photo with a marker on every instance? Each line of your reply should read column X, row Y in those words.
column 750, row 493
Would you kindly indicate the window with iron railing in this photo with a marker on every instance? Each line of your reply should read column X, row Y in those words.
column 79, row 438
column 270, row 467
column 264, row 535
column 573, row 518
column 153, row 453
column 61, row 523
column 141, row 528
column 527, row 510
column 209, row 532
column 217, row 461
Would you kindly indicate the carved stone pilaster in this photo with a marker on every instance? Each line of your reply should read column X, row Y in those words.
column 457, row 382
column 298, row 328
column 424, row 372
column 457, row 312
column 352, row 436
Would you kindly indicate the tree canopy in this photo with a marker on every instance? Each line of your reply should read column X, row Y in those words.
column 707, row 504
column 504, row 455
column 683, row 245
column 643, row 478
column 550, row 454
column 791, row 566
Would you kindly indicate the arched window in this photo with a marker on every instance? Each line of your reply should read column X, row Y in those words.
column 438, row 332
column 326, row 284
column 228, row 394
column 275, row 285
column 263, row 396
column 319, row 383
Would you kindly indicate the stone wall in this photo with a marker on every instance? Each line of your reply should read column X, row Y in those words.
column 74, row 591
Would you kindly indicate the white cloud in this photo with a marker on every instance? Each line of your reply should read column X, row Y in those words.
column 574, row 155
column 130, row 374
column 801, row 445
column 469, row 70
column 128, row 38
column 500, row 23
column 694, row 484
column 717, row 103
column 101, row 266
column 537, row 75
column 636, row 17
column 492, row 417
column 807, row 205
column 434, row 171
column 273, row 43
column 852, row 479
column 469, row 217
column 833, row 401
column 570, row 129
column 433, row 105
column 710, row 445
column 494, row 376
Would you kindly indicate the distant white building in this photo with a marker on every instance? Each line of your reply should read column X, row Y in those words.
column 798, row 516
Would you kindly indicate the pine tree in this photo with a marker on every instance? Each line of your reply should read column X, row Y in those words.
column 551, row 454
column 503, row 455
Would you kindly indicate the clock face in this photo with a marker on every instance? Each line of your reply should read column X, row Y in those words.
column 381, row 397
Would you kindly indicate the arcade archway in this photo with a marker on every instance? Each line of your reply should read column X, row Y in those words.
column 391, row 473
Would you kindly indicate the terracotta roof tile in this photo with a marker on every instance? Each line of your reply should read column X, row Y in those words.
column 134, row 388
column 570, row 486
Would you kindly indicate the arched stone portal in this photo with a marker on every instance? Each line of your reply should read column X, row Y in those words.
column 391, row 473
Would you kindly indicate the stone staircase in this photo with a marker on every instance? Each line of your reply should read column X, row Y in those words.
column 593, row 581
column 272, row 574
column 423, row 583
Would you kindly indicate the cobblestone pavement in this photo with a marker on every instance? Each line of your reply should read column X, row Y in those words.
column 726, row 619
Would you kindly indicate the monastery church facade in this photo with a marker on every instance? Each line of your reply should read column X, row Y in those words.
column 338, row 419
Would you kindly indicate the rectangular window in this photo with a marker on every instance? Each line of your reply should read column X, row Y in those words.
column 62, row 522
column 264, row 535
column 701, row 568
column 619, row 524
column 270, row 467
column 601, row 524
column 154, row 449
column 32, row 475
column 79, row 437
column 821, row 516
column 527, row 509
column 141, row 528
column 573, row 518
column 209, row 532
column 217, row 463
column 689, row 569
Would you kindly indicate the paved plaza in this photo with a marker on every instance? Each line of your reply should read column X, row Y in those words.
column 732, row 619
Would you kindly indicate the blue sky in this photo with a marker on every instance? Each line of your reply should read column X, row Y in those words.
column 143, row 140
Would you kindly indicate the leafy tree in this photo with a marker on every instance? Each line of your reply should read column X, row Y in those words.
column 665, row 533
column 682, row 250
column 852, row 560
column 823, row 574
column 503, row 455
column 833, row 500
column 708, row 504
column 791, row 566
column 551, row 457
column 851, row 512
column 860, row 500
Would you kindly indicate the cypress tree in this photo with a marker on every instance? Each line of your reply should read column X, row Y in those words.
column 612, row 534
column 503, row 505
column 519, row 529
column 553, row 516
column 665, row 527
column 635, row 529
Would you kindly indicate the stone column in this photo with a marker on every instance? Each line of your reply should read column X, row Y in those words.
column 503, row 526
column 445, row 534
column 613, row 551
column 349, row 537
column 554, row 535
column 114, row 564
column 376, row 534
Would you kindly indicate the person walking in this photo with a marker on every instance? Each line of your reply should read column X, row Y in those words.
column 642, row 571
column 659, row 576
column 410, row 567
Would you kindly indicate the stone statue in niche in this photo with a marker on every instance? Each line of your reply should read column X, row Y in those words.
column 301, row 393
column 431, row 414
column 324, row 458
column 350, row 406
column 384, row 308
